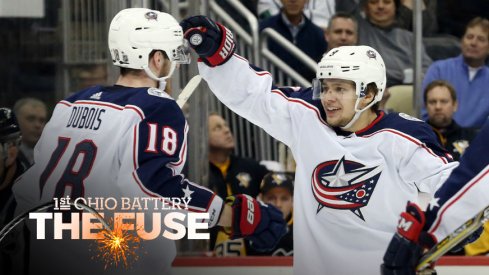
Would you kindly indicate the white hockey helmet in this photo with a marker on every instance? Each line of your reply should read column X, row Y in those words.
column 135, row 32
column 361, row 64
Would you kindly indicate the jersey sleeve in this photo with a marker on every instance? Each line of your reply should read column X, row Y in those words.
column 249, row 93
column 158, row 156
column 466, row 191
column 426, row 164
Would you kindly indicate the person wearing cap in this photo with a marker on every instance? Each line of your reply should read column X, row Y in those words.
column 12, row 248
column 10, row 166
column 277, row 189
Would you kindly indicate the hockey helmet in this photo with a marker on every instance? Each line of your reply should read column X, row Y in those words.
column 134, row 33
column 361, row 64
column 9, row 128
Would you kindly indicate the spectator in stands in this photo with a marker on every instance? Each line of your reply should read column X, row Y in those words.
column 278, row 189
column 454, row 15
column 468, row 74
column 342, row 30
column 228, row 175
column 318, row 11
column 481, row 245
column 380, row 31
column 299, row 30
column 441, row 103
column 32, row 115
column 10, row 166
column 405, row 16
column 12, row 247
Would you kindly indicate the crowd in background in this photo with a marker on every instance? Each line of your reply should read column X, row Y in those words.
column 454, row 91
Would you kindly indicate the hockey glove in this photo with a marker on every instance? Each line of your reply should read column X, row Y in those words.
column 261, row 224
column 213, row 42
column 408, row 243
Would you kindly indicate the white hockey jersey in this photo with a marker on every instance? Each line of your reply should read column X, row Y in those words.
column 113, row 142
column 349, row 188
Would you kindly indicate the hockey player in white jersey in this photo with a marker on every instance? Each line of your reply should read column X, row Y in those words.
column 129, row 140
column 465, row 193
column 355, row 170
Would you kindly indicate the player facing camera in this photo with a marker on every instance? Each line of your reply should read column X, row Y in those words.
column 349, row 81
column 347, row 165
column 277, row 189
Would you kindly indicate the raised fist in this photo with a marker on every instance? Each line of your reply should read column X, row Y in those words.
column 263, row 225
column 213, row 42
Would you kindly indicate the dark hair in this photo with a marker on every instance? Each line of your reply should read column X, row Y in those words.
column 439, row 83
column 344, row 15
column 481, row 22
column 372, row 88
column 126, row 71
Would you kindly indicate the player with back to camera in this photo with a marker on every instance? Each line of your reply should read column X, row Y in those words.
column 132, row 137
column 355, row 171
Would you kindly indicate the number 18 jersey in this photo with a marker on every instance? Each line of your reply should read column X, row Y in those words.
column 115, row 142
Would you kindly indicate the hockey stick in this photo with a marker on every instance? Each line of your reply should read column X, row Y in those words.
column 188, row 90
column 456, row 237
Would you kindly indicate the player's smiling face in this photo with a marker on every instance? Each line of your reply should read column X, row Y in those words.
column 338, row 99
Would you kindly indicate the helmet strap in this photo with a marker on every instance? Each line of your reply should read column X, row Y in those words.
column 358, row 112
column 161, row 80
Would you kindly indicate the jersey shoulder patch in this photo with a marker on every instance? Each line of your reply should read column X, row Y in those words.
column 158, row 93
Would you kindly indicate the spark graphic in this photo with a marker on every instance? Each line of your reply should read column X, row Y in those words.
column 117, row 246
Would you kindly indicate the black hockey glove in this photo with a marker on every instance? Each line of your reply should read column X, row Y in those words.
column 261, row 224
column 213, row 42
column 408, row 243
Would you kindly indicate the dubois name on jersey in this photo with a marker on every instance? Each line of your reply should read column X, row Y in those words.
column 115, row 141
column 86, row 118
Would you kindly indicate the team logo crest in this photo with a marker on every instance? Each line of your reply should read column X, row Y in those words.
column 344, row 184
column 371, row 54
column 244, row 179
column 460, row 146
column 151, row 15
column 196, row 39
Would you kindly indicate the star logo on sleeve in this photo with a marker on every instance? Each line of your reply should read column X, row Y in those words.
column 187, row 192
column 434, row 203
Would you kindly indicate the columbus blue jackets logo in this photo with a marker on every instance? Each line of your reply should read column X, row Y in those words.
column 344, row 184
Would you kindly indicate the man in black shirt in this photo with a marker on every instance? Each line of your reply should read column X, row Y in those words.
column 441, row 103
column 229, row 174
column 13, row 254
